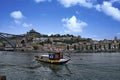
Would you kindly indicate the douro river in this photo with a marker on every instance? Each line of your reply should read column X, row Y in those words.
column 82, row 66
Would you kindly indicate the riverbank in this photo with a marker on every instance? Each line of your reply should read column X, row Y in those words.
column 98, row 51
column 39, row 51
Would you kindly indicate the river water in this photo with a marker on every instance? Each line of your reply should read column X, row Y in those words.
column 82, row 66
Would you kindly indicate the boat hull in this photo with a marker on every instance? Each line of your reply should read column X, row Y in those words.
column 52, row 61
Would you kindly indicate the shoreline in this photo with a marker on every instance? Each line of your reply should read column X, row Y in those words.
column 38, row 51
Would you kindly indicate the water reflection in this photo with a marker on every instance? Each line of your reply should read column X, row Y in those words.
column 55, row 68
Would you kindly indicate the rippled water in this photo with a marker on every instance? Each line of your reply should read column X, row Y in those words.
column 86, row 66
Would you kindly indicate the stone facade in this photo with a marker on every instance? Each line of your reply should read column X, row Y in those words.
column 34, row 40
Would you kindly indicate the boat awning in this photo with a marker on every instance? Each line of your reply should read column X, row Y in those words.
column 45, row 56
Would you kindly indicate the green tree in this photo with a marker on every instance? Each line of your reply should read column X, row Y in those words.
column 109, row 46
column 68, row 47
column 75, row 47
column 91, row 47
column 35, row 47
column 119, row 46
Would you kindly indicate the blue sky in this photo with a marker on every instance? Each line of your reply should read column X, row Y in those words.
column 97, row 19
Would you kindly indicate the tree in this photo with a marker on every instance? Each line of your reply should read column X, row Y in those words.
column 86, row 47
column 41, row 43
column 49, row 41
column 95, row 46
column 23, row 43
column 35, row 47
column 67, row 47
column 109, row 46
column 75, row 47
column 91, row 47
column 119, row 46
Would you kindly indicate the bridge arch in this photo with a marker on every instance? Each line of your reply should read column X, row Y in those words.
column 13, row 45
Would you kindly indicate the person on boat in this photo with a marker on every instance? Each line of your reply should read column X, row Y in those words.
column 59, row 53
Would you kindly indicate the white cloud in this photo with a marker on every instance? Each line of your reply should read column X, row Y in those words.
column 118, row 33
column 38, row 1
column 17, row 22
column 109, row 10
column 18, row 19
column 17, row 15
column 26, row 25
column 115, row 1
column 73, row 25
column 69, row 3
column 98, row 7
column 106, row 7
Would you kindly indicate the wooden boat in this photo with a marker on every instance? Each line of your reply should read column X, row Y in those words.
column 53, row 58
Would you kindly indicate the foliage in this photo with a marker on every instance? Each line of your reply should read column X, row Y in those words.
column 67, row 47
column 35, row 47
column 75, row 47
column 69, row 41
column 58, row 35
